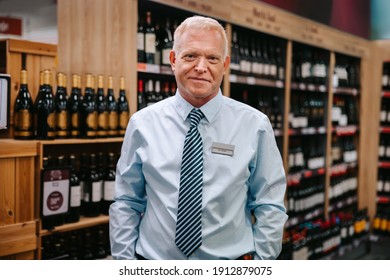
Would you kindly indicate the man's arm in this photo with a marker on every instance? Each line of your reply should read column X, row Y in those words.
column 130, row 198
column 267, row 187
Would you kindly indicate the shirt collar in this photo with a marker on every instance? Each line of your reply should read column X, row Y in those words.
column 210, row 109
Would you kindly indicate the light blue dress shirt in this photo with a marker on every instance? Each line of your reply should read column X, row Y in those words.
column 252, row 180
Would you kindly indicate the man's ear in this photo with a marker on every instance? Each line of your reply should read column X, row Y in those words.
column 172, row 59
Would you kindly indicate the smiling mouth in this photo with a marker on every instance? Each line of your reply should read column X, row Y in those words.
column 199, row 79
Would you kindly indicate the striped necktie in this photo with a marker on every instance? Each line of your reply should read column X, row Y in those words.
column 189, row 215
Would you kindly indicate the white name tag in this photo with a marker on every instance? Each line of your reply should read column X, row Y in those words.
column 223, row 149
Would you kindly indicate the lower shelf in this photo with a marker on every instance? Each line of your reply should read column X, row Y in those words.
column 83, row 223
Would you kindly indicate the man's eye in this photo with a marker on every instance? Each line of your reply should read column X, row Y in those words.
column 213, row 59
column 189, row 56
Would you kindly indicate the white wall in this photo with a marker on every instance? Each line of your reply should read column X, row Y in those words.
column 39, row 19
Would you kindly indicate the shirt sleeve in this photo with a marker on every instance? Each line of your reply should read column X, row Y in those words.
column 130, row 198
column 267, row 187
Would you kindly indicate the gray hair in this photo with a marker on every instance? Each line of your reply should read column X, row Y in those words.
column 202, row 24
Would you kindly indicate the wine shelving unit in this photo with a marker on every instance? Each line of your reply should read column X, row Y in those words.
column 327, row 146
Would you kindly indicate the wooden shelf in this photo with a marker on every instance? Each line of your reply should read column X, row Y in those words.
column 346, row 91
column 84, row 222
column 250, row 80
column 81, row 141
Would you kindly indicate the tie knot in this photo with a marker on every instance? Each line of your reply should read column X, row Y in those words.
column 195, row 116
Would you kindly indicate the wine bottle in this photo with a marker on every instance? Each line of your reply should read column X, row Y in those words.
column 109, row 184
column 102, row 112
column 235, row 54
column 61, row 108
column 73, row 214
column 167, row 43
column 123, row 109
column 92, row 189
column 23, row 111
column 150, row 39
column 74, row 107
column 140, row 41
column 88, row 114
column 112, row 108
column 44, row 110
column 141, row 95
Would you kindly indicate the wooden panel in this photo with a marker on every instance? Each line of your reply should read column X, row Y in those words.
column 24, row 188
column 219, row 9
column 99, row 37
column 268, row 19
column 17, row 148
column 30, row 47
column 7, row 191
column 18, row 238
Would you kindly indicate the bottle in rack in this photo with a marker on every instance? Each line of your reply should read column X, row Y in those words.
column 102, row 112
column 88, row 114
column 23, row 111
column 150, row 39
column 140, row 41
column 123, row 109
column 109, row 184
column 74, row 107
column 112, row 108
column 92, row 189
column 61, row 108
column 44, row 110
column 73, row 214
column 141, row 95
column 167, row 43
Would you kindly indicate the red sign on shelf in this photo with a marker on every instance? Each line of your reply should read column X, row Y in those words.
column 12, row 26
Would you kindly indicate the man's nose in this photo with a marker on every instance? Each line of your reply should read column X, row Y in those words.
column 201, row 65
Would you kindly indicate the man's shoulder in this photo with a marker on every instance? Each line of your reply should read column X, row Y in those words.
column 242, row 108
column 155, row 110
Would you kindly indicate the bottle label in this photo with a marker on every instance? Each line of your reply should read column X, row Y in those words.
column 75, row 120
column 150, row 43
column 96, row 191
column 91, row 121
column 165, row 56
column 102, row 121
column 140, row 41
column 109, row 190
column 123, row 120
column 23, row 120
column 75, row 196
column 62, row 123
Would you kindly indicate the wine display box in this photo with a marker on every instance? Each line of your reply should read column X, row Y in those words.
column 320, row 88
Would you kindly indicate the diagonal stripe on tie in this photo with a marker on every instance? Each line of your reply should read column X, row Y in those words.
column 189, row 215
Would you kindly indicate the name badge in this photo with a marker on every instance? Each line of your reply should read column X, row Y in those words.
column 223, row 149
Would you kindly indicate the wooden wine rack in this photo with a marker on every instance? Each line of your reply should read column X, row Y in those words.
column 103, row 41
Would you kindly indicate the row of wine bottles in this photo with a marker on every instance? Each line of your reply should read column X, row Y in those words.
column 343, row 149
column 343, row 187
column 344, row 110
column 381, row 225
column 94, row 113
column 384, row 147
column 154, row 40
column 83, row 244
column 151, row 91
column 91, row 188
column 386, row 76
column 383, row 185
column 385, row 112
column 266, row 100
column 306, row 152
column 257, row 55
column 307, row 197
column 307, row 110
column 322, row 239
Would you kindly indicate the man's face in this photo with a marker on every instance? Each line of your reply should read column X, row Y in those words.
column 199, row 65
